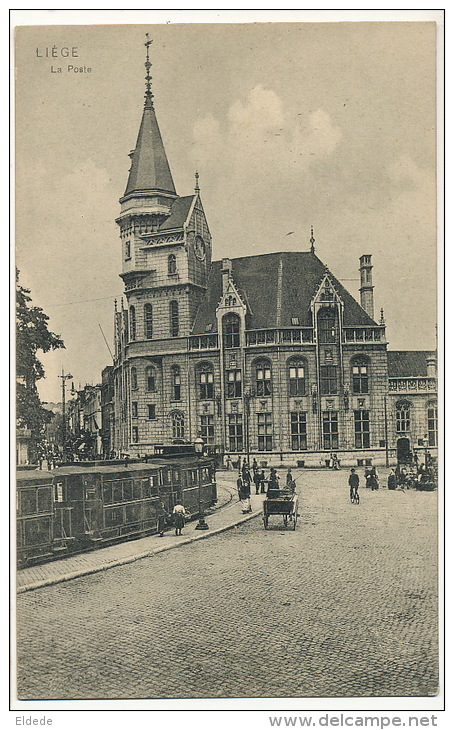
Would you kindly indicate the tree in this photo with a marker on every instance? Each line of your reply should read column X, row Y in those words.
column 32, row 335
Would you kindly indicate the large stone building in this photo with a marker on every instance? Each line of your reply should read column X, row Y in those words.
column 264, row 355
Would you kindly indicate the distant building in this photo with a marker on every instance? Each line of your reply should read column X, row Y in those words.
column 264, row 355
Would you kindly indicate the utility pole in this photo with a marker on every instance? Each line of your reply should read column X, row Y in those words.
column 386, row 433
column 64, row 378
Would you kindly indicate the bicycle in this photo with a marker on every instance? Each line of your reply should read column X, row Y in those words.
column 354, row 495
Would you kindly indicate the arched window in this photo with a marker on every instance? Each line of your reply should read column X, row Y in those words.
column 150, row 376
column 327, row 325
column 402, row 416
column 132, row 323
column 360, row 374
column 231, row 330
column 297, row 376
column 134, row 378
column 205, row 381
column 148, row 318
column 174, row 318
column 178, row 425
column 263, row 377
column 432, row 423
column 172, row 264
column 176, row 382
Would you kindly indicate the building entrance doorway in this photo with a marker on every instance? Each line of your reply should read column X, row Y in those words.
column 403, row 451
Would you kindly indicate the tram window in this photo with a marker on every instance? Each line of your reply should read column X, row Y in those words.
column 137, row 489
column 127, row 490
column 107, row 492
column 59, row 492
column 154, row 484
column 132, row 512
column 37, row 531
column 113, row 516
column 44, row 499
column 117, row 492
column 28, row 502
column 176, row 476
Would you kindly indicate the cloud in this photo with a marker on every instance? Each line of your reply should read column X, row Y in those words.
column 257, row 134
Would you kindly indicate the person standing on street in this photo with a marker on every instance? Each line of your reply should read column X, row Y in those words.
column 353, row 481
column 256, row 478
column 179, row 514
column 262, row 482
column 162, row 519
column 245, row 496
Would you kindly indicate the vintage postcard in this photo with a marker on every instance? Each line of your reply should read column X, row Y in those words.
column 226, row 294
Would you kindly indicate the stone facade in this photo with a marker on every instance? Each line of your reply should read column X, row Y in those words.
column 266, row 356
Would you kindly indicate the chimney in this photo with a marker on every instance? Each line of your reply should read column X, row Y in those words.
column 226, row 274
column 366, row 290
column 431, row 362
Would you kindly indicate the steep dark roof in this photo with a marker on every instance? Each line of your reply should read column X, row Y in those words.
column 408, row 363
column 150, row 168
column 276, row 287
column 178, row 213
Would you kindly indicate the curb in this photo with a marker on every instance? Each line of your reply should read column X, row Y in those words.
column 132, row 559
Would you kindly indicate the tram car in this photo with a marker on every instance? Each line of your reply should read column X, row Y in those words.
column 75, row 507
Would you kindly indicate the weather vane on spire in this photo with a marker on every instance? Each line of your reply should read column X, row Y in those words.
column 148, row 93
column 196, row 189
column 312, row 240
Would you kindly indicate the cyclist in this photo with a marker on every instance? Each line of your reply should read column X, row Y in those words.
column 353, row 481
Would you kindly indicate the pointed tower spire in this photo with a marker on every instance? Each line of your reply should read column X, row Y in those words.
column 150, row 171
column 312, row 240
column 196, row 189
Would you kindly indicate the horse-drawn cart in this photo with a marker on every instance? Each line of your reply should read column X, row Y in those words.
column 281, row 502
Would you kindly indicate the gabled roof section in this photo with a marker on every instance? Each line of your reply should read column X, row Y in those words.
column 179, row 213
column 150, row 169
column 408, row 363
column 277, row 287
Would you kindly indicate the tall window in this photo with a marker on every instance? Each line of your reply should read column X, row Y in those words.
column 231, row 330
column 176, row 382
column 150, row 375
column 362, row 430
column 233, row 383
column 328, row 379
column 205, row 381
column 148, row 318
column 174, row 318
column 263, row 377
column 330, row 430
column 297, row 376
column 172, row 264
column 360, row 374
column 207, row 428
column 327, row 325
column 178, row 425
column 132, row 322
column 134, row 409
column 151, row 411
column 134, row 378
column 298, row 430
column 432, row 424
column 265, row 431
column 402, row 417
column 235, row 432
column 128, row 250
column 135, row 434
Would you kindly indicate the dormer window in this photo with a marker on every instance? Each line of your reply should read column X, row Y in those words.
column 230, row 301
column 295, row 321
column 209, row 327
column 128, row 250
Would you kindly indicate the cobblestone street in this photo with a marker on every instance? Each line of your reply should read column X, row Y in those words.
column 346, row 605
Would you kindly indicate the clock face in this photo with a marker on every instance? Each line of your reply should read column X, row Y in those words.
column 199, row 248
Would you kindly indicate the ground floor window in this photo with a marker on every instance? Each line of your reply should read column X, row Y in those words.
column 298, row 430
column 135, row 434
column 362, row 430
column 207, row 429
column 265, row 431
column 330, row 430
column 432, row 424
column 235, row 432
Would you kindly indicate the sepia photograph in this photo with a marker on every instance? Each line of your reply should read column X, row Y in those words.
column 227, row 479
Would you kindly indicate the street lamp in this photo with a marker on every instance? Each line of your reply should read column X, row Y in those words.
column 199, row 445
column 64, row 378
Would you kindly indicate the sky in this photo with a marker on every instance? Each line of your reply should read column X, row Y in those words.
column 288, row 124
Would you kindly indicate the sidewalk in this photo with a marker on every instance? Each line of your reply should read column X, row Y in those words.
column 226, row 514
